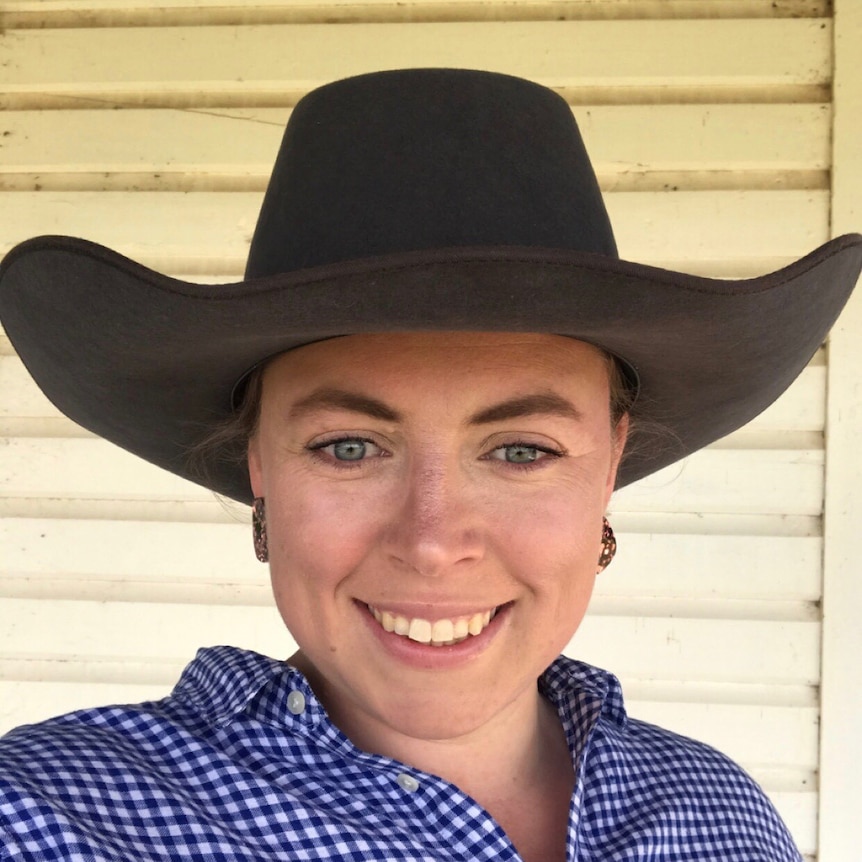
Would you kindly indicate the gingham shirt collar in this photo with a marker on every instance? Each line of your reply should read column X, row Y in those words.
column 223, row 683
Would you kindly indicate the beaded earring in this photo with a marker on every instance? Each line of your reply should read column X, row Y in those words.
column 258, row 528
column 609, row 546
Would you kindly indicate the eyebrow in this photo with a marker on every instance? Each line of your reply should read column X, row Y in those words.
column 339, row 399
column 540, row 404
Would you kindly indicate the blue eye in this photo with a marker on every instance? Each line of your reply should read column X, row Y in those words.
column 518, row 453
column 350, row 449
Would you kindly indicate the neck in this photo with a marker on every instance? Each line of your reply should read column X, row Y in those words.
column 514, row 763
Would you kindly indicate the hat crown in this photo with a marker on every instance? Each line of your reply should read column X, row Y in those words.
column 424, row 159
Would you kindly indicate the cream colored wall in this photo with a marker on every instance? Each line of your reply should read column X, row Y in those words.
column 717, row 157
column 840, row 775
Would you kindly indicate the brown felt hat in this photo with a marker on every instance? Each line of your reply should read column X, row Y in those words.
column 424, row 199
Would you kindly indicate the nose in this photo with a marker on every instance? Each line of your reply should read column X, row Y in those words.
column 435, row 526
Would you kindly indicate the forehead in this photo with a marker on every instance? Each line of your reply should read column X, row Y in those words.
column 428, row 376
column 405, row 354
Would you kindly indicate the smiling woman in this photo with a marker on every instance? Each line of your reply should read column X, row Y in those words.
column 455, row 496
column 473, row 501
column 428, row 386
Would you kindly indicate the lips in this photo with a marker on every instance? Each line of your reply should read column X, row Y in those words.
column 440, row 632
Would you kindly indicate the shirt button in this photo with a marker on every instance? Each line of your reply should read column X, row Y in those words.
column 296, row 703
column 407, row 782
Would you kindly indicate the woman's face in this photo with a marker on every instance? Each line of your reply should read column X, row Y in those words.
column 424, row 482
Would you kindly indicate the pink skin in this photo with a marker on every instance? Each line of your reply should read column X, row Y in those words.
column 434, row 521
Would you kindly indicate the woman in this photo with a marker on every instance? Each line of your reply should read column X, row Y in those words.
column 431, row 381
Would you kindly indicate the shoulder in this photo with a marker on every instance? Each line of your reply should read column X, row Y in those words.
column 55, row 776
column 83, row 773
column 639, row 755
column 85, row 753
column 643, row 789
column 641, row 774
column 213, row 689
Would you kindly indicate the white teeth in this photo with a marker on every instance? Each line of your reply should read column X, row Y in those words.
column 444, row 632
column 420, row 631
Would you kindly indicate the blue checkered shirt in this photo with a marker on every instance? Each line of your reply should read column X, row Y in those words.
column 240, row 762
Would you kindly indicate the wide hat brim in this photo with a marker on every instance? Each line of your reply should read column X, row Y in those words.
column 150, row 362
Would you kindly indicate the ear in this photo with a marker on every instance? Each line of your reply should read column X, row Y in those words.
column 619, row 436
column 255, row 467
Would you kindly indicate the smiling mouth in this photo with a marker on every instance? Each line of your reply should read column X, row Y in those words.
column 444, row 632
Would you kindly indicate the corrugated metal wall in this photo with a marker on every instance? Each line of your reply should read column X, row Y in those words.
column 153, row 130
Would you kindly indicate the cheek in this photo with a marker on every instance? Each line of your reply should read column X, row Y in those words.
column 317, row 536
column 561, row 522
column 560, row 574
column 552, row 545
